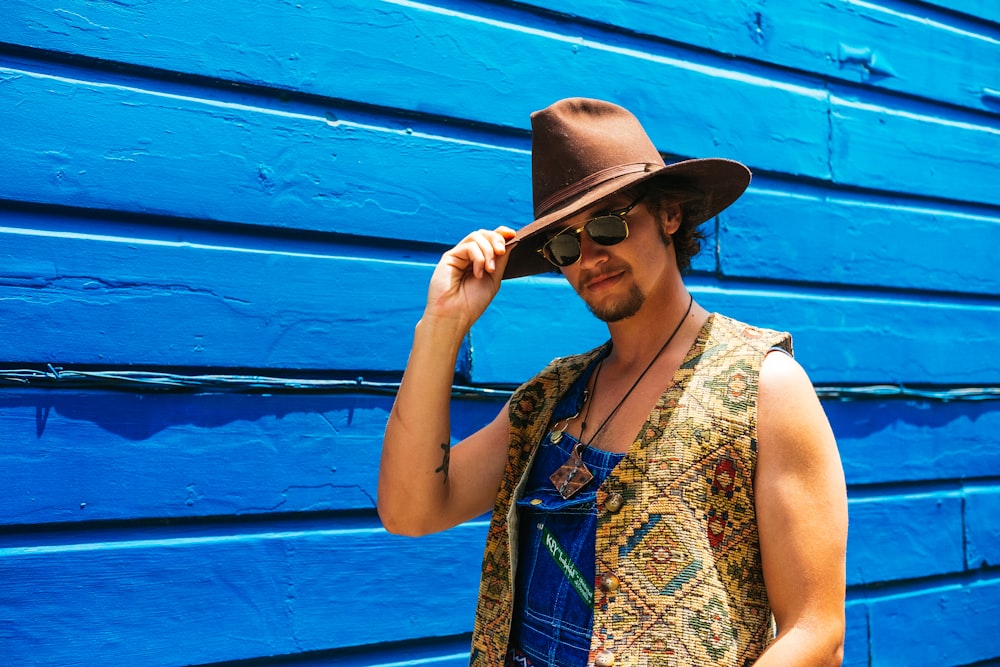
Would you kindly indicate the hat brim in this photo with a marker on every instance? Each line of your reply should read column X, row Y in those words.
column 722, row 182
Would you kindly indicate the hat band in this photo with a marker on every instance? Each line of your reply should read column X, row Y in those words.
column 589, row 182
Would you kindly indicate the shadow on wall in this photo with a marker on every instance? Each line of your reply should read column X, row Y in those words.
column 894, row 440
column 138, row 417
column 100, row 456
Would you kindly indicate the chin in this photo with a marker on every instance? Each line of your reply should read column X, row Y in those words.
column 620, row 310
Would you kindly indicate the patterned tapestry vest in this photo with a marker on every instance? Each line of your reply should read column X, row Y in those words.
column 684, row 543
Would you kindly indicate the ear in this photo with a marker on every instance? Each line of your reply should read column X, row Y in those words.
column 671, row 218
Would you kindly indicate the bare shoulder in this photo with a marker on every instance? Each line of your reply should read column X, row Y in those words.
column 787, row 399
column 799, row 478
column 780, row 373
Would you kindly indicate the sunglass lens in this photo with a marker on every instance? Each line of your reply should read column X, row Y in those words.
column 563, row 250
column 607, row 230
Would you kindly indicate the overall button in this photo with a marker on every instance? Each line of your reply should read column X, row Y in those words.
column 609, row 582
column 604, row 659
column 614, row 502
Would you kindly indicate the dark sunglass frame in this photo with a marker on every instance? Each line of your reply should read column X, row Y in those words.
column 563, row 260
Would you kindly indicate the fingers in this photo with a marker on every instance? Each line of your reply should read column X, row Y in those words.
column 477, row 250
column 468, row 276
column 482, row 248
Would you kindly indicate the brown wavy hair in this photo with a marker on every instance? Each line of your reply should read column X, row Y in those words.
column 688, row 238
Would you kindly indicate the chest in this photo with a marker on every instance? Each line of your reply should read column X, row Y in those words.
column 618, row 406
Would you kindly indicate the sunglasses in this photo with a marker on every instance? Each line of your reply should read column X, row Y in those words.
column 564, row 249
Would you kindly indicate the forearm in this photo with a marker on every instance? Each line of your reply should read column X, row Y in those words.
column 414, row 471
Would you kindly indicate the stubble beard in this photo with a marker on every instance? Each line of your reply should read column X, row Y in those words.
column 622, row 309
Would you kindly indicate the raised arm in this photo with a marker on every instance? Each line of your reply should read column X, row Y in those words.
column 801, row 504
column 424, row 485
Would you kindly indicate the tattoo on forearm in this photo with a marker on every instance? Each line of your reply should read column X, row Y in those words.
column 445, row 461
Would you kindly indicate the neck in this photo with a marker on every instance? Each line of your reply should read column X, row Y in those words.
column 636, row 339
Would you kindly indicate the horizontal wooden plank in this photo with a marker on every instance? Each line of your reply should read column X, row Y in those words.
column 853, row 338
column 839, row 337
column 151, row 602
column 876, row 147
column 790, row 138
column 895, row 49
column 982, row 530
column 267, row 169
column 270, row 168
column 941, row 627
column 87, row 456
column 888, row 441
column 820, row 237
column 463, row 59
column 223, row 306
column 219, row 454
column 94, row 301
column 898, row 525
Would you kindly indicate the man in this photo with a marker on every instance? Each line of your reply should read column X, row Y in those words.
column 654, row 500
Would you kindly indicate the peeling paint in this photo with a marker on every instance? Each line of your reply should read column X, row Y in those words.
column 868, row 61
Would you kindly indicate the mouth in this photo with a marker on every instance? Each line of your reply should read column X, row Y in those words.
column 604, row 280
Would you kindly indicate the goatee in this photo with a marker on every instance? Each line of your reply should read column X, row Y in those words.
column 623, row 309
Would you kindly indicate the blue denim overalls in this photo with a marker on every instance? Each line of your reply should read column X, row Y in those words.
column 553, row 614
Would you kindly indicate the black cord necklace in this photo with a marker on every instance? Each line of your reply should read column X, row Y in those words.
column 573, row 475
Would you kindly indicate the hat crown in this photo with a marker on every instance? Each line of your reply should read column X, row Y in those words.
column 578, row 143
column 585, row 151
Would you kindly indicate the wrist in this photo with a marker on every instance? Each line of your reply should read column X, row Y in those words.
column 445, row 333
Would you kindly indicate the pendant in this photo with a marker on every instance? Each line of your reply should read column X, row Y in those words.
column 572, row 475
column 556, row 436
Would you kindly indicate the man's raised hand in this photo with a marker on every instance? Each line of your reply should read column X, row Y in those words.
column 468, row 276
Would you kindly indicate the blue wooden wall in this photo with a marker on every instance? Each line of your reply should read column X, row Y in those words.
column 205, row 192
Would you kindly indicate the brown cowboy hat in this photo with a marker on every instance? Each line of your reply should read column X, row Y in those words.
column 584, row 151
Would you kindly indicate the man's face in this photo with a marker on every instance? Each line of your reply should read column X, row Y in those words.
column 613, row 280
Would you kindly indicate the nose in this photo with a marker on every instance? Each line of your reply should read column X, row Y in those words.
column 591, row 254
